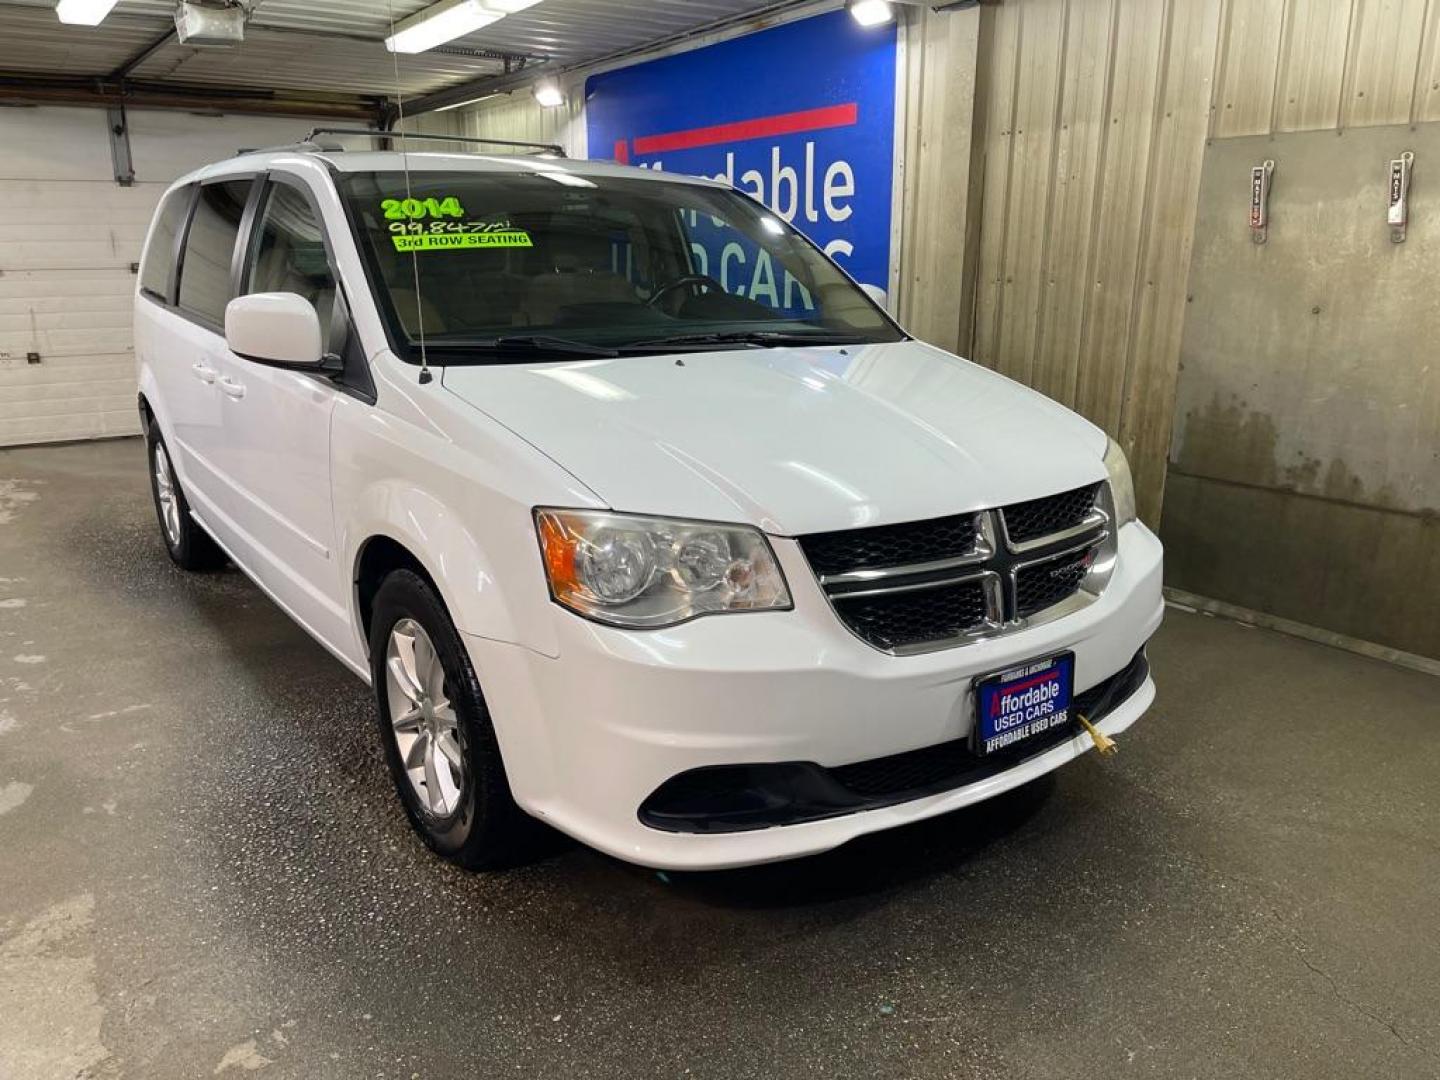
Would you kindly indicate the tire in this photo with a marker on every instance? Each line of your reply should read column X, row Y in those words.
column 433, row 716
column 189, row 545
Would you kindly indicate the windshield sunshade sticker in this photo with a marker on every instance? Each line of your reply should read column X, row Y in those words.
column 506, row 238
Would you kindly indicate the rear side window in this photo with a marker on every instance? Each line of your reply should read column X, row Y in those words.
column 289, row 252
column 210, row 248
column 159, row 266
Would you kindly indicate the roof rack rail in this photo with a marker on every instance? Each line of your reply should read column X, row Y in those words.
column 305, row 147
column 544, row 148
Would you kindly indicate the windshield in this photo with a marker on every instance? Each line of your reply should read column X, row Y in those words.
column 485, row 263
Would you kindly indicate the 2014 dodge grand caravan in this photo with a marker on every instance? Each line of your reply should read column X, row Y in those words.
column 639, row 515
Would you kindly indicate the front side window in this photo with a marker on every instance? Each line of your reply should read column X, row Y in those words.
column 469, row 258
column 288, row 254
column 159, row 265
column 210, row 248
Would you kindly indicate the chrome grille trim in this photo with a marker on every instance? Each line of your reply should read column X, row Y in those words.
column 1097, row 518
column 996, row 562
column 936, row 583
column 983, row 550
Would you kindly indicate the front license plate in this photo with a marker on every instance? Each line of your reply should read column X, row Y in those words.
column 1023, row 704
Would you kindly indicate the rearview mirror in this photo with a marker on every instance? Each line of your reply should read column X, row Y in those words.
column 274, row 328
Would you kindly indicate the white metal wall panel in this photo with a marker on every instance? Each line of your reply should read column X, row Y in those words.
column 515, row 116
column 67, row 242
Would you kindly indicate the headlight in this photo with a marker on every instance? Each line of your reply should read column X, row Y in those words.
column 1122, row 488
column 650, row 572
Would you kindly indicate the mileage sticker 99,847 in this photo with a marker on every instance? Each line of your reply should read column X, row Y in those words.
column 419, row 234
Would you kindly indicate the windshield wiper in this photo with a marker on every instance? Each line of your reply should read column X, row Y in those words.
column 525, row 343
column 760, row 338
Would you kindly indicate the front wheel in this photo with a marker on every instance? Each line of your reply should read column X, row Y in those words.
column 439, row 741
column 189, row 545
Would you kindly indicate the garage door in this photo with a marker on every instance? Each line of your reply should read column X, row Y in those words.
column 68, row 237
column 69, row 240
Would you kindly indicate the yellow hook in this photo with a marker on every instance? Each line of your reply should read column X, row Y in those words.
column 1103, row 743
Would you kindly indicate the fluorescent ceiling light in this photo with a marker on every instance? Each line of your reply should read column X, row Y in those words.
column 83, row 12
column 548, row 95
column 447, row 21
column 871, row 12
column 438, row 24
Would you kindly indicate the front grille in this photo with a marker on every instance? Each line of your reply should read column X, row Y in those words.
column 924, row 585
column 1031, row 520
column 914, row 770
column 892, row 545
column 895, row 620
column 1043, row 585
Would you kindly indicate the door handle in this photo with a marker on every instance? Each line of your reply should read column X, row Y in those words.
column 232, row 388
column 204, row 372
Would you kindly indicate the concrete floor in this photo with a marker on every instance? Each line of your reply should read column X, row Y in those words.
column 203, row 870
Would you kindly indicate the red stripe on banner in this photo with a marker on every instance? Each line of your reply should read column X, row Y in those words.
column 1044, row 676
column 831, row 116
column 622, row 152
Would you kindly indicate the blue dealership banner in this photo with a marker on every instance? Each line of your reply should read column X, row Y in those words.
column 800, row 116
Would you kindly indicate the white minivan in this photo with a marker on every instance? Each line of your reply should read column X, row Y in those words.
column 640, row 516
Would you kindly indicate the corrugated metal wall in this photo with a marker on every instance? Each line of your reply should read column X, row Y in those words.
column 1095, row 115
column 1052, row 170
column 942, row 183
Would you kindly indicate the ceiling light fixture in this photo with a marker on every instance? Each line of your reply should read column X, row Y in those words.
column 448, row 20
column 83, row 12
column 871, row 12
column 548, row 95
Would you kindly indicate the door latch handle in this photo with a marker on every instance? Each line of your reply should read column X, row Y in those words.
column 204, row 372
column 232, row 388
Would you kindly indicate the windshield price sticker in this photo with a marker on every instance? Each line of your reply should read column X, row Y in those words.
column 457, row 235
column 454, row 241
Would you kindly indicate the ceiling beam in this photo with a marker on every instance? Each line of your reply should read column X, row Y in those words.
column 19, row 89
column 140, row 57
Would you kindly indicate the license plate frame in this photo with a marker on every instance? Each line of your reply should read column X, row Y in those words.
column 995, row 725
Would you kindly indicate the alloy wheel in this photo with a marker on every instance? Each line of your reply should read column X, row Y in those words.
column 426, row 727
column 166, row 494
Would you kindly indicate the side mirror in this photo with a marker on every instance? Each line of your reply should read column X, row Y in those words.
column 274, row 328
column 874, row 292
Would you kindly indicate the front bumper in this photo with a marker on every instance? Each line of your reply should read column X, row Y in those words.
column 590, row 735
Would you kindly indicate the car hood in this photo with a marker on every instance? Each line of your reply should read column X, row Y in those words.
column 793, row 440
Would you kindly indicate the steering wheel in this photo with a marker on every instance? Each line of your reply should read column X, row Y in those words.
column 680, row 283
